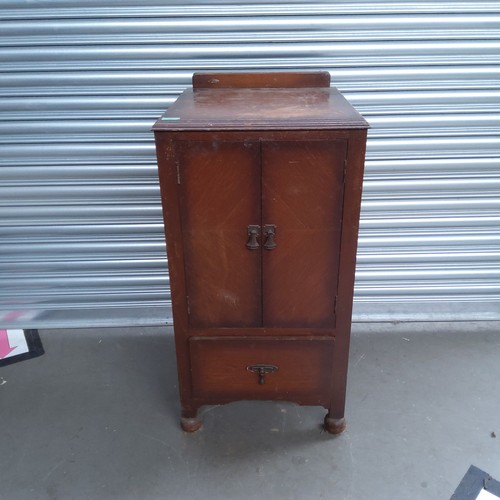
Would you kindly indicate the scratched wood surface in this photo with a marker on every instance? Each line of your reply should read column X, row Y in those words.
column 231, row 104
column 302, row 186
column 219, row 197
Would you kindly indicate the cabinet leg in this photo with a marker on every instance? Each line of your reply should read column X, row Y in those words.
column 334, row 425
column 190, row 421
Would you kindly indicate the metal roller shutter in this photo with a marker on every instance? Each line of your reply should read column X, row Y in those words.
column 80, row 216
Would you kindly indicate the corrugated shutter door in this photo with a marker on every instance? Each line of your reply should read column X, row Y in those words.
column 80, row 215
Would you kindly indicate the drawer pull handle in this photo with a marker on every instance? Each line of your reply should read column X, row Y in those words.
column 269, row 233
column 253, row 234
column 262, row 370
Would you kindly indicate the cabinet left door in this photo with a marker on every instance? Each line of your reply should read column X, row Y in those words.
column 219, row 185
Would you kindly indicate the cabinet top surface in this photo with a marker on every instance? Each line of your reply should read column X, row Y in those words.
column 260, row 109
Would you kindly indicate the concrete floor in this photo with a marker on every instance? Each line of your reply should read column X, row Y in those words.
column 96, row 417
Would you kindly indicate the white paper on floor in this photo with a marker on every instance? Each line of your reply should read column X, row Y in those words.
column 486, row 495
column 12, row 343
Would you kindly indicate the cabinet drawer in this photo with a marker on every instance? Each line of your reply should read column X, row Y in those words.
column 227, row 368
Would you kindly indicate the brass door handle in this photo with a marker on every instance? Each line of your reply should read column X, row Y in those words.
column 253, row 233
column 269, row 233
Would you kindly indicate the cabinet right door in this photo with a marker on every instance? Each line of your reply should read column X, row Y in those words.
column 302, row 195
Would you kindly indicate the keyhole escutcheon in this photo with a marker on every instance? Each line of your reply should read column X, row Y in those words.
column 262, row 371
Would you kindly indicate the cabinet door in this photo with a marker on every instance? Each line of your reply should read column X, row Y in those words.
column 302, row 189
column 220, row 192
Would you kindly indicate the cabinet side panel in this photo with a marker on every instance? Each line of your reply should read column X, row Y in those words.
column 219, row 184
column 352, row 204
column 171, row 215
column 302, row 186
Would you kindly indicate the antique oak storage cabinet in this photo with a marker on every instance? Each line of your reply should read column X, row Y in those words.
column 261, row 177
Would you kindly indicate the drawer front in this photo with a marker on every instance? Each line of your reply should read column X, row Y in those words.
column 261, row 368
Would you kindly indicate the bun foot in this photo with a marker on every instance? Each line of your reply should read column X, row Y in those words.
column 334, row 425
column 190, row 424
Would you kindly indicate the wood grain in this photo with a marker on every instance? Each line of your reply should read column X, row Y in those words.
column 259, row 79
column 219, row 184
column 302, row 194
column 220, row 369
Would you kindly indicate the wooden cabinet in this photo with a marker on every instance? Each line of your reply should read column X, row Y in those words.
column 261, row 177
